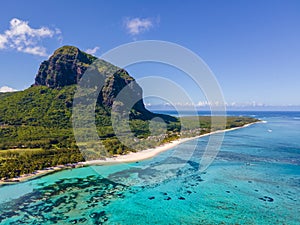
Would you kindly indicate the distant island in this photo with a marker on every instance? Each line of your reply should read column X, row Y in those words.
column 36, row 129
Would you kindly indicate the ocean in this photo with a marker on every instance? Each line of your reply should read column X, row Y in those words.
column 255, row 179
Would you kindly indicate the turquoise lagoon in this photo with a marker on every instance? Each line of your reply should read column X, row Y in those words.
column 255, row 179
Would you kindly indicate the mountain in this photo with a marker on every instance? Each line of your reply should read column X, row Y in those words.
column 68, row 64
column 65, row 67
column 41, row 114
column 35, row 124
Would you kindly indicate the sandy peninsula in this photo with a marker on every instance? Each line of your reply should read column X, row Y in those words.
column 131, row 157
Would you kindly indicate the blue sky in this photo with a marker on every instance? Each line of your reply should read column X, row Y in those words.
column 252, row 47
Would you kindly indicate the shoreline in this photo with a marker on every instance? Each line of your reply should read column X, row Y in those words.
column 152, row 152
column 130, row 157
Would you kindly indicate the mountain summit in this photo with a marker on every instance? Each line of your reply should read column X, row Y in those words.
column 68, row 64
column 65, row 67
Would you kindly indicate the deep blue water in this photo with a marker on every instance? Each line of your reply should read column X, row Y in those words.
column 255, row 179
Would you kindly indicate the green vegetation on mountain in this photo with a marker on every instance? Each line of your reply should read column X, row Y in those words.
column 36, row 127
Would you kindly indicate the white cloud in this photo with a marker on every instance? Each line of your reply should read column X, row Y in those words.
column 3, row 41
column 136, row 26
column 21, row 37
column 92, row 51
column 37, row 50
column 7, row 89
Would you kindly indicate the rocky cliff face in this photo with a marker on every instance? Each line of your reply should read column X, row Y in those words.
column 68, row 64
column 64, row 67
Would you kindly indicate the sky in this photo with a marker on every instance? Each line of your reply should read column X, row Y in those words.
column 252, row 47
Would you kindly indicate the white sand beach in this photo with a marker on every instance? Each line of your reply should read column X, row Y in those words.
column 150, row 153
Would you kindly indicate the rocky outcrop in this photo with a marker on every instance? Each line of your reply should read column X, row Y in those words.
column 68, row 64
column 65, row 67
